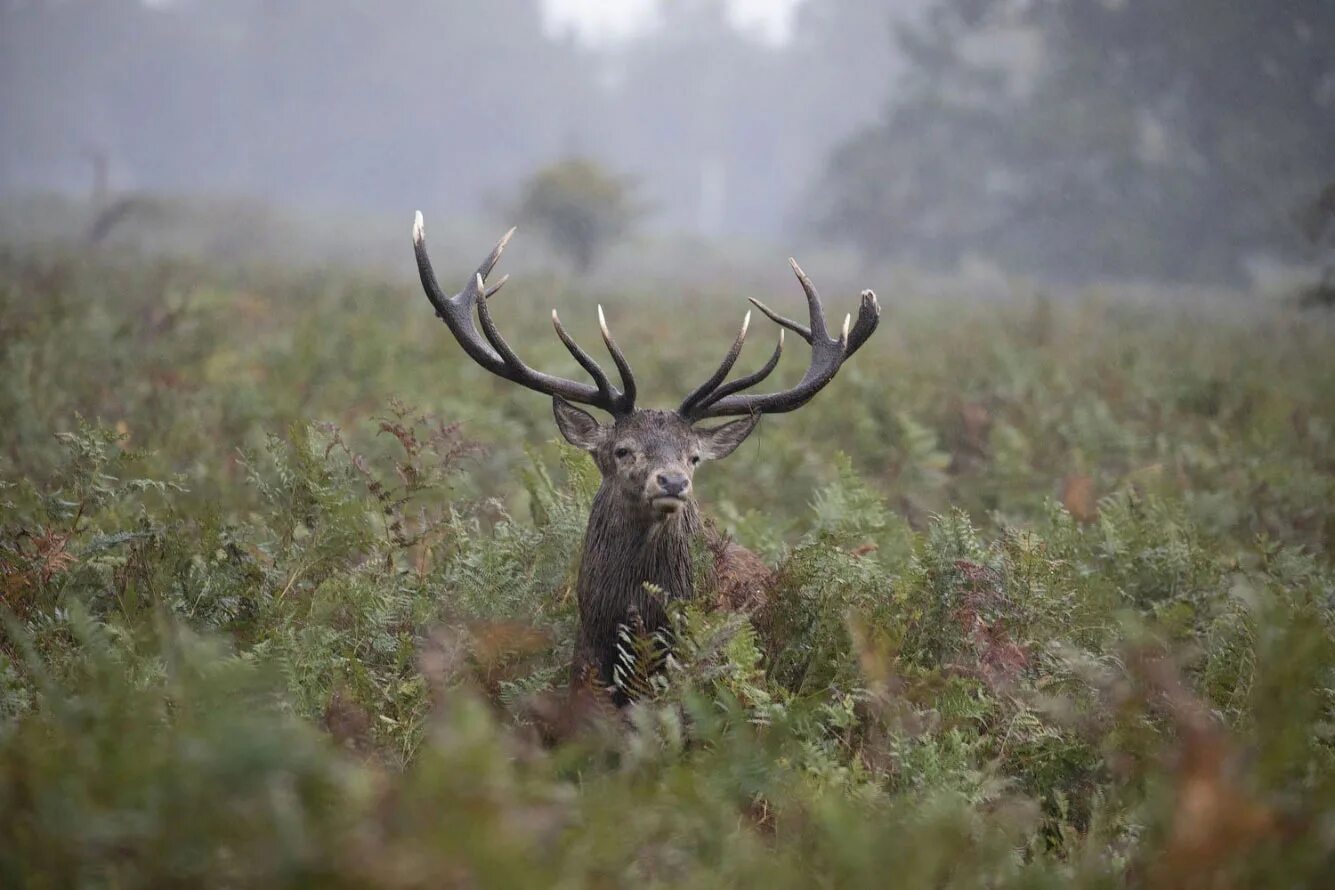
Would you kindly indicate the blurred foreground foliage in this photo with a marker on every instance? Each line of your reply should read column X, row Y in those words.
column 1054, row 602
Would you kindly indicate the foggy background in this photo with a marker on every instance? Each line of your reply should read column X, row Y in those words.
column 1191, row 141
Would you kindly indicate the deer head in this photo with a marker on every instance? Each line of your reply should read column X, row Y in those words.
column 648, row 457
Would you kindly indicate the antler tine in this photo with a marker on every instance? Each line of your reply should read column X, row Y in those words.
column 623, row 366
column 869, row 316
column 456, row 311
column 489, row 329
column 814, row 307
column 702, row 392
column 800, row 330
column 813, row 301
column 490, row 262
column 586, row 361
column 827, row 356
column 749, row 380
column 489, row 348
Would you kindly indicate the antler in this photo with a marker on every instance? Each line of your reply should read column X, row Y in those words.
column 714, row 398
column 491, row 351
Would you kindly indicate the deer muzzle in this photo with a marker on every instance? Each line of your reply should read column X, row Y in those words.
column 667, row 490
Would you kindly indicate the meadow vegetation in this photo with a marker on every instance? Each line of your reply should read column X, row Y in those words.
column 287, row 586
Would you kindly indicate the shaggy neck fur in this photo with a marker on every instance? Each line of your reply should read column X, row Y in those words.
column 623, row 549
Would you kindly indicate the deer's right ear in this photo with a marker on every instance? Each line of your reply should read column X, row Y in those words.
column 577, row 425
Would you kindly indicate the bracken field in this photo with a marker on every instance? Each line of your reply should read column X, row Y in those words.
column 288, row 595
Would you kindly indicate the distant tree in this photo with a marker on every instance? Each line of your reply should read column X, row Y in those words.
column 580, row 208
column 1171, row 140
column 916, row 181
column 1317, row 221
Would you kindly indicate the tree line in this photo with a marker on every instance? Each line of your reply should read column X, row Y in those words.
column 1133, row 138
column 1067, row 139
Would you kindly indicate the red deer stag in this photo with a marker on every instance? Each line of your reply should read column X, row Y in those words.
column 643, row 516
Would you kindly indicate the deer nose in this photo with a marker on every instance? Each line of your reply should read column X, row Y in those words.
column 673, row 484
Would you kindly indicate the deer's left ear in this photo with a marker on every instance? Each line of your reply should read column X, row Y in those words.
column 720, row 441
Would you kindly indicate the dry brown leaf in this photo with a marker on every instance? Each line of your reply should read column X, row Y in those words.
column 1078, row 497
column 1215, row 819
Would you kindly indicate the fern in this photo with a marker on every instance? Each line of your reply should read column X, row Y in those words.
column 641, row 658
column 245, row 646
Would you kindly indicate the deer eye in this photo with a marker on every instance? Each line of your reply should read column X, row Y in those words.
column 622, row 452
column 695, row 459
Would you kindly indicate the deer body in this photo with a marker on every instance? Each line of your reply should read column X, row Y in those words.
column 643, row 521
column 625, row 559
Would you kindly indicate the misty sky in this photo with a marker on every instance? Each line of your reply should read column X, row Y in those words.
column 602, row 21
column 721, row 117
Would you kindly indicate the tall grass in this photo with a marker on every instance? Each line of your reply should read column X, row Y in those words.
column 288, row 598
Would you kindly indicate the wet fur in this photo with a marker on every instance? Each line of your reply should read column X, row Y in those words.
column 621, row 553
column 629, row 543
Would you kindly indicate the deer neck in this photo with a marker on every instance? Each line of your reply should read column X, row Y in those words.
column 626, row 548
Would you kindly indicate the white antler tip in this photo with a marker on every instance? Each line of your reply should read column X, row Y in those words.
column 781, row 338
column 746, row 323
column 602, row 323
column 848, row 321
column 419, row 228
